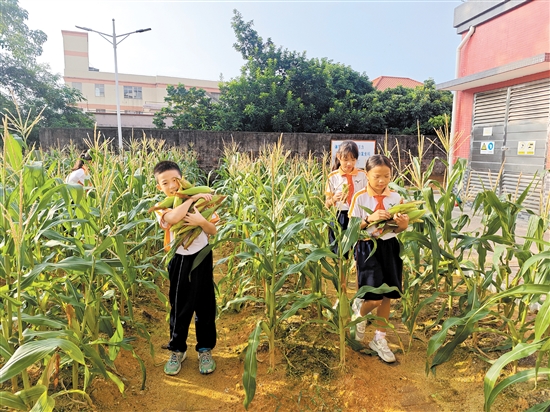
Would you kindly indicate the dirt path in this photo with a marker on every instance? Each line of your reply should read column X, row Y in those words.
column 310, row 382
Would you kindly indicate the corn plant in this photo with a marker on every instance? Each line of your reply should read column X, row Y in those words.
column 73, row 258
column 483, row 292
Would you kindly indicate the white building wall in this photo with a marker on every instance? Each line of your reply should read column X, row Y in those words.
column 135, row 112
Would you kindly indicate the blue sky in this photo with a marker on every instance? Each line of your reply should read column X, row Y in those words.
column 188, row 39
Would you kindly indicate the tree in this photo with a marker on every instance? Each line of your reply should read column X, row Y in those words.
column 283, row 91
column 30, row 83
column 403, row 108
column 188, row 109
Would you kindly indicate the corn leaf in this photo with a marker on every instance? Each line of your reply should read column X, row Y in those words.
column 34, row 351
column 9, row 400
column 541, row 407
column 14, row 152
column 542, row 321
column 512, row 380
column 522, row 350
column 44, row 404
column 251, row 365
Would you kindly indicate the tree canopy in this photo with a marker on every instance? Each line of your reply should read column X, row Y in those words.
column 29, row 82
column 283, row 91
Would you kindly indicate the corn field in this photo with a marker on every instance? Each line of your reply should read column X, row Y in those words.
column 74, row 259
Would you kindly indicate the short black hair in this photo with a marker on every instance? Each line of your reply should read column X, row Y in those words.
column 165, row 165
column 378, row 160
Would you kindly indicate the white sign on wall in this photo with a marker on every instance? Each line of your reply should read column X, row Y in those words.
column 487, row 131
column 366, row 149
column 487, row 148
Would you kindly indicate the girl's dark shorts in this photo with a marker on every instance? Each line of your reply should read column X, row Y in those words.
column 384, row 266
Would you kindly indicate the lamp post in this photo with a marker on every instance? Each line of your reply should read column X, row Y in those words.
column 113, row 40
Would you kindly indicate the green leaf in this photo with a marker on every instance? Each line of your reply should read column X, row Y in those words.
column 462, row 333
column 522, row 350
column 31, row 395
column 542, row 321
column 44, row 404
column 533, row 261
column 9, row 400
column 541, row 407
column 117, row 381
column 511, row 380
column 301, row 303
column 34, row 351
column 14, row 153
column 251, row 365
column 517, row 290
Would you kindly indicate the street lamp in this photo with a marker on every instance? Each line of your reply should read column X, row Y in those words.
column 113, row 40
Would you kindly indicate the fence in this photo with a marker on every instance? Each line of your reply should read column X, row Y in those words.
column 209, row 145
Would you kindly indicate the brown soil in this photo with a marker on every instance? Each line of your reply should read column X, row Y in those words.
column 306, row 375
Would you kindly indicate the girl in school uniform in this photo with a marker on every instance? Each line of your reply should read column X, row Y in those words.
column 385, row 265
column 342, row 183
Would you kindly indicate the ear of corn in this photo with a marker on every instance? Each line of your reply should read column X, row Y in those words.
column 177, row 201
column 345, row 192
column 405, row 207
column 184, row 184
column 410, row 209
column 166, row 203
column 185, row 234
column 195, row 190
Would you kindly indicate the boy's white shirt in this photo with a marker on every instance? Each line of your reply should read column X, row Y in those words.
column 199, row 243
column 365, row 198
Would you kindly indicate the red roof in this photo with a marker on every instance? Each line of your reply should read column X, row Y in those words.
column 387, row 82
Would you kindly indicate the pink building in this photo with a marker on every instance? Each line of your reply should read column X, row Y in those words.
column 501, row 111
column 389, row 82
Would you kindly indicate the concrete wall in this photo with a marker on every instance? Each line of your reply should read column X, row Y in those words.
column 209, row 145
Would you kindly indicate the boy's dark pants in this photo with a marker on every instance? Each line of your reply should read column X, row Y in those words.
column 192, row 294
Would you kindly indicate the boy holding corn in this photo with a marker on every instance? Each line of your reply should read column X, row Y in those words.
column 385, row 264
column 191, row 290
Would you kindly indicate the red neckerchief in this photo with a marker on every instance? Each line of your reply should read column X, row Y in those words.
column 349, row 178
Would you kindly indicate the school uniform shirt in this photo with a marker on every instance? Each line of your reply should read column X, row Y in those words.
column 196, row 246
column 366, row 198
column 77, row 176
column 356, row 180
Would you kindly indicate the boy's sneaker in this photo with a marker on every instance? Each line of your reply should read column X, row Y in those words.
column 361, row 326
column 206, row 362
column 381, row 347
column 173, row 366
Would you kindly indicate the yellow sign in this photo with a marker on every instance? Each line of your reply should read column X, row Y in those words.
column 526, row 147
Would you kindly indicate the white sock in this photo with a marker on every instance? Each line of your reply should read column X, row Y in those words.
column 378, row 335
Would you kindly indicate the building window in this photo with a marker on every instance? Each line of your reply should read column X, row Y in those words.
column 100, row 110
column 99, row 90
column 132, row 92
column 77, row 86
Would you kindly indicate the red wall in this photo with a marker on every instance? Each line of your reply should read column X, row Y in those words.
column 518, row 34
